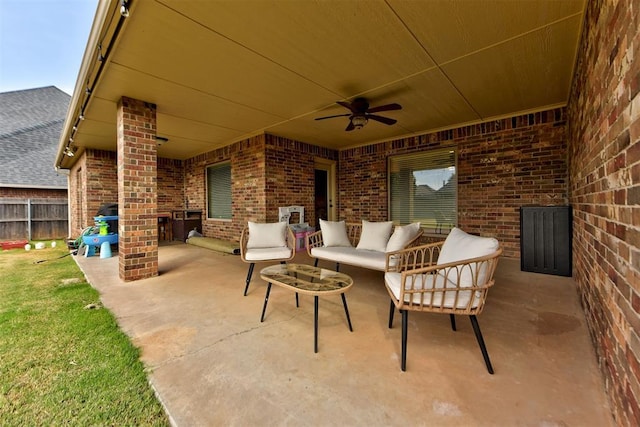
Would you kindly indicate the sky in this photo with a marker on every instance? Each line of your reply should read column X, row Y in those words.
column 434, row 178
column 42, row 42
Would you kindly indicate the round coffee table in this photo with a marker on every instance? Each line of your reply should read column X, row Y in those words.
column 307, row 279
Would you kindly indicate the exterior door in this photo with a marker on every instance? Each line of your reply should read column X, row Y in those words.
column 325, row 176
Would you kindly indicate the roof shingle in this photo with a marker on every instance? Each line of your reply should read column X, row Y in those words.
column 30, row 124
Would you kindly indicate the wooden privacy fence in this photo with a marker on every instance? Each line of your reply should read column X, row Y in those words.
column 34, row 219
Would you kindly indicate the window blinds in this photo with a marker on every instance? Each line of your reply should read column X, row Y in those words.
column 423, row 188
column 219, row 191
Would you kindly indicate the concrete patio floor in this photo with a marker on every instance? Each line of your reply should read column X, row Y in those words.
column 212, row 362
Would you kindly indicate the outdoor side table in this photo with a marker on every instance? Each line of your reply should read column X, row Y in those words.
column 306, row 279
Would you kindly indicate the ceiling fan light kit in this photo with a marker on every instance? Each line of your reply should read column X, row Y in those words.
column 359, row 121
column 361, row 113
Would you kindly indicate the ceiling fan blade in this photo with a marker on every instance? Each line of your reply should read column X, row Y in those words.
column 331, row 117
column 385, row 120
column 346, row 105
column 388, row 107
column 350, row 126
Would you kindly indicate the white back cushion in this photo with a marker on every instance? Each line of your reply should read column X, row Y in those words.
column 375, row 235
column 267, row 235
column 460, row 246
column 401, row 236
column 334, row 233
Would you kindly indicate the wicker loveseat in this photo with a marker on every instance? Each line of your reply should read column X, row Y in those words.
column 363, row 244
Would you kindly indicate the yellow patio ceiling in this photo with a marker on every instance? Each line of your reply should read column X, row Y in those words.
column 221, row 71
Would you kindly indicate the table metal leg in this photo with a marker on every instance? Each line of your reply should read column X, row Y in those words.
column 346, row 310
column 266, row 300
column 405, row 322
column 315, row 324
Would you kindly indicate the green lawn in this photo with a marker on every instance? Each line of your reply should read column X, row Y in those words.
column 62, row 362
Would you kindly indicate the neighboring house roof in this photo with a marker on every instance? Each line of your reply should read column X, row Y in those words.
column 30, row 124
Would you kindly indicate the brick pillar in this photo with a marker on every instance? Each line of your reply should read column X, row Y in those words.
column 137, row 190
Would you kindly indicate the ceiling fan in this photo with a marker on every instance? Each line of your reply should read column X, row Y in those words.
column 361, row 113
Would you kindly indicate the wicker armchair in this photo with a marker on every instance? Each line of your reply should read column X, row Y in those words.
column 450, row 277
column 266, row 243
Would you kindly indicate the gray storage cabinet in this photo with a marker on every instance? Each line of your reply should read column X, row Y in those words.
column 545, row 239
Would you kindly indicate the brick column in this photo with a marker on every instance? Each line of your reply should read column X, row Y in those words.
column 137, row 190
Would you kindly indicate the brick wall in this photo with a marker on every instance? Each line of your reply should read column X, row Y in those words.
column 101, row 185
column 248, row 176
column 290, row 175
column 247, row 186
column 266, row 172
column 93, row 182
column 502, row 165
column 604, row 155
column 170, row 185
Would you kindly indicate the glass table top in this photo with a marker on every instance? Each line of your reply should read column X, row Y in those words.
column 307, row 278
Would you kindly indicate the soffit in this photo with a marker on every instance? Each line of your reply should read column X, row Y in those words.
column 223, row 71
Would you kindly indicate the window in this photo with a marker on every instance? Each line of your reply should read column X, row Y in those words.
column 219, row 191
column 423, row 187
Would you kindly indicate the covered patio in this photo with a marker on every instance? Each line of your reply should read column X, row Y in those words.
column 178, row 103
column 200, row 337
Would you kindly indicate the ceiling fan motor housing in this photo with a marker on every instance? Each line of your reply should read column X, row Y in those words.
column 359, row 105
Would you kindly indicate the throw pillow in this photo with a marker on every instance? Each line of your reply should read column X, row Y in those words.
column 459, row 246
column 334, row 233
column 401, row 236
column 374, row 235
column 267, row 235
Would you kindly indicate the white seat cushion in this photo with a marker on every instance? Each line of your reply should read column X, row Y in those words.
column 334, row 233
column 373, row 260
column 269, row 235
column 266, row 254
column 460, row 246
column 375, row 235
column 446, row 299
column 401, row 236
